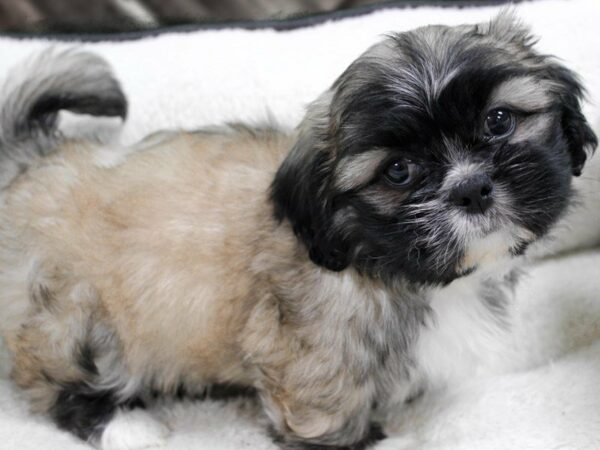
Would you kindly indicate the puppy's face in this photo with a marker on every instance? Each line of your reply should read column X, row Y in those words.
column 436, row 150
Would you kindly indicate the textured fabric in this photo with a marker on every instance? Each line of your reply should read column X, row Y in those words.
column 547, row 393
column 122, row 15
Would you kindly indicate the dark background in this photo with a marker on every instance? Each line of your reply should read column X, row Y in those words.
column 106, row 16
column 97, row 16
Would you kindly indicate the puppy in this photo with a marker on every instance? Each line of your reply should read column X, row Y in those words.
column 334, row 270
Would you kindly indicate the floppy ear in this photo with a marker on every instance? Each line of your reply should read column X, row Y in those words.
column 300, row 189
column 581, row 140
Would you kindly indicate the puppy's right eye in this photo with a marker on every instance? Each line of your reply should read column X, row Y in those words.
column 401, row 173
column 499, row 123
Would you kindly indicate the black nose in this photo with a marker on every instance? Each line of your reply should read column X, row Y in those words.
column 474, row 194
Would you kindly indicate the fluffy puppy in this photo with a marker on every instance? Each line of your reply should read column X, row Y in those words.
column 333, row 270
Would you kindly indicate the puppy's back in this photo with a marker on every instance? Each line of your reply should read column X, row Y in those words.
column 164, row 231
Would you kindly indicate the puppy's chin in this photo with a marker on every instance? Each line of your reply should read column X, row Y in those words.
column 490, row 248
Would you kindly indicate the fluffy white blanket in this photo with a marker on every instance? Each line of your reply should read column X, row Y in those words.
column 545, row 395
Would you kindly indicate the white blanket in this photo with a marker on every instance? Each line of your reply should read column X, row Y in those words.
column 547, row 395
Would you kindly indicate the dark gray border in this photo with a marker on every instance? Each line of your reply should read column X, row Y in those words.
column 278, row 24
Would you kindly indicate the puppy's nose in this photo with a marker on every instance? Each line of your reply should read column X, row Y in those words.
column 474, row 194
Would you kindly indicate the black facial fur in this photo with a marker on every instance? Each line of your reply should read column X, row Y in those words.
column 424, row 95
column 312, row 212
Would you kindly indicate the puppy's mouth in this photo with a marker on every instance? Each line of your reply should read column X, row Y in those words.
column 474, row 241
column 479, row 226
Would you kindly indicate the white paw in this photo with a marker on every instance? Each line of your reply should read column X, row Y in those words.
column 133, row 430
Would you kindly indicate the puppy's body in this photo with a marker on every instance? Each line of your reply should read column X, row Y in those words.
column 334, row 270
column 167, row 233
column 172, row 251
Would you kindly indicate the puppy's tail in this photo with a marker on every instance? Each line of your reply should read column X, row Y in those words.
column 35, row 92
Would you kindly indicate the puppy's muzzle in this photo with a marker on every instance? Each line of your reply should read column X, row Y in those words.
column 473, row 195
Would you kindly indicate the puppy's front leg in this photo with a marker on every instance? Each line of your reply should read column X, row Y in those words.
column 316, row 394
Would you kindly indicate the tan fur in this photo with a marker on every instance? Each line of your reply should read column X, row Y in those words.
column 179, row 253
column 149, row 220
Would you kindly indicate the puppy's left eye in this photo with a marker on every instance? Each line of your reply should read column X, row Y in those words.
column 499, row 123
column 401, row 173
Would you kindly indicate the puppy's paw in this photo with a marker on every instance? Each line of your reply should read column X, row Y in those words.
column 374, row 435
column 133, row 430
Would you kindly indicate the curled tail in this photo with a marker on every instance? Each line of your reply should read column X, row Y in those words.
column 36, row 91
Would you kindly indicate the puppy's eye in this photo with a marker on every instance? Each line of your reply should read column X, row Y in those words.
column 499, row 123
column 401, row 173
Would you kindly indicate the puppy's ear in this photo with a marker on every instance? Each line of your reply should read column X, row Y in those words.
column 301, row 187
column 581, row 140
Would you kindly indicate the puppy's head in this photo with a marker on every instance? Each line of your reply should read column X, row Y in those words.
column 434, row 151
